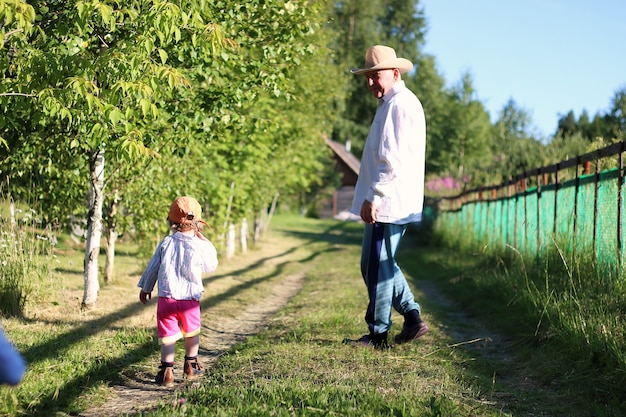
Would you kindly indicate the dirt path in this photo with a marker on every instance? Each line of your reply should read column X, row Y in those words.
column 140, row 393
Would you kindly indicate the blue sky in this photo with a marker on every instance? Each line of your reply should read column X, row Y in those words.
column 550, row 56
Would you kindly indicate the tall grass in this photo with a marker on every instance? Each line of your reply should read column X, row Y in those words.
column 567, row 310
column 25, row 252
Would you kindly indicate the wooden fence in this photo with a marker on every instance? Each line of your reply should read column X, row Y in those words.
column 578, row 202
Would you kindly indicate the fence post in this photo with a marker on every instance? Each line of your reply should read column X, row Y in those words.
column 596, row 185
column 556, row 199
column 576, row 190
column 525, row 201
column 620, row 184
column 506, row 224
column 539, row 184
column 515, row 208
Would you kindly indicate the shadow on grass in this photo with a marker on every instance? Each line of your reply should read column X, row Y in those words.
column 336, row 233
column 110, row 370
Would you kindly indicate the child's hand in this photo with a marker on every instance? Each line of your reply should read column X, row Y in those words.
column 144, row 296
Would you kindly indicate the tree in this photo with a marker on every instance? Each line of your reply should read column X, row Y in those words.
column 596, row 127
column 514, row 146
column 429, row 86
column 117, row 78
column 396, row 23
column 462, row 148
column 584, row 125
column 84, row 95
column 567, row 125
column 615, row 119
column 565, row 147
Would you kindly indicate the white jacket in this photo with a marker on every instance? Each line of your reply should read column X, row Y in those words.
column 392, row 167
column 178, row 264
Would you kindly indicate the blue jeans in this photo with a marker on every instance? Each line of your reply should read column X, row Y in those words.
column 386, row 284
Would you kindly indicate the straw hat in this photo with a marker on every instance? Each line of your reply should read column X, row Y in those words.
column 381, row 57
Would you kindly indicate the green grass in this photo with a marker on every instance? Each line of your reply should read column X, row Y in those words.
column 299, row 366
column 25, row 253
column 566, row 316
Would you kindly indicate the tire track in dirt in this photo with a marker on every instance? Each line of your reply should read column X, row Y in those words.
column 140, row 393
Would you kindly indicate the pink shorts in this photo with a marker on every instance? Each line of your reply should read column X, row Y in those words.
column 177, row 319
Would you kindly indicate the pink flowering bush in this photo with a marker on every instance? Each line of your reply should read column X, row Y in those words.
column 443, row 186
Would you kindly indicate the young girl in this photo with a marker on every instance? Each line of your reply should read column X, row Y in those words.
column 178, row 264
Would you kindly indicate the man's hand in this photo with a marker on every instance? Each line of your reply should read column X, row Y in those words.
column 144, row 296
column 368, row 212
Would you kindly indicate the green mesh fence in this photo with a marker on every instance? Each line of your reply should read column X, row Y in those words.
column 579, row 216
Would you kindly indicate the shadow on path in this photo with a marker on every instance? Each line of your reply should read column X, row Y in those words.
column 110, row 369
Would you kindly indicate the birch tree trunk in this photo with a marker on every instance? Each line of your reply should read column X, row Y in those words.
column 243, row 235
column 271, row 213
column 94, row 231
column 110, row 255
column 258, row 225
column 111, row 239
column 12, row 211
column 230, row 241
column 12, row 220
column 262, row 222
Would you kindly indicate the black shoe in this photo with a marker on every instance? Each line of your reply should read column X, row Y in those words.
column 367, row 341
column 410, row 333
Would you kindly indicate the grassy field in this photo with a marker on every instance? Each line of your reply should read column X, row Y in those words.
column 475, row 364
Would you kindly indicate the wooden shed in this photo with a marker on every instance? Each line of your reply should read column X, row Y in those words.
column 348, row 165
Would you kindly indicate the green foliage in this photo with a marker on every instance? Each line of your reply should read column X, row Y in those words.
column 90, row 85
column 513, row 145
column 566, row 147
column 608, row 126
column 465, row 150
column 254, row 124
column 210, row 99
column 17, row 20
column 359, row 25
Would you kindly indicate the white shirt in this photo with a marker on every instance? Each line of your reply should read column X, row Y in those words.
column 392, row 167
column 178, row 264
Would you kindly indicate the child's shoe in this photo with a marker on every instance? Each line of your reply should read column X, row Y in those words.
column 165, row 376
column 192, row 368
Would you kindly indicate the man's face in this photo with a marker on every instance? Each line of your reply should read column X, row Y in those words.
column 379, row 82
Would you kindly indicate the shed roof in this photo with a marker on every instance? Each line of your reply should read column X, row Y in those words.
column 348, row 158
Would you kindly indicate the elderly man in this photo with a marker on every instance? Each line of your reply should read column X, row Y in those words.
column 389, row 195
